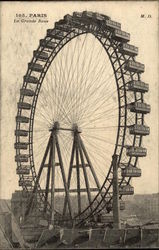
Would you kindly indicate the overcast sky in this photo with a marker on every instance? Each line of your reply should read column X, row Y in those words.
column 17, row 44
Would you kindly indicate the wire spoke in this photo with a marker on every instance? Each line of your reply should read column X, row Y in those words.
column 79, row 88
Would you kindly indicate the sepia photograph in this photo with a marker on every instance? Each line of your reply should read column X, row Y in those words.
column 79, row 124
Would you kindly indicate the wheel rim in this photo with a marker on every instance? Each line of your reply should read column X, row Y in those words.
column 118, row 61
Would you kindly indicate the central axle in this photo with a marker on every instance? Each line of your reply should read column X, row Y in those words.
column 74, row 128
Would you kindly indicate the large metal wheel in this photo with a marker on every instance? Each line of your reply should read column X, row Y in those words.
column 70, row 80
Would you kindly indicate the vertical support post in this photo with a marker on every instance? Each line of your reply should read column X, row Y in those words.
column 116, row 211
column 141, row 236
column 125, row 234
column 53, row 180
column 158, row 238
column 78, row 178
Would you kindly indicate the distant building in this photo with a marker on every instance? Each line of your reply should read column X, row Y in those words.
column 152, row 206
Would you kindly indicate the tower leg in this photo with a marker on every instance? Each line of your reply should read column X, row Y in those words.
column 64, row 178
column 38, row 178
column 53, row 181
column 69, row 176
column 116, row 211
column 48, row 180
column 85, row 173
column 90, row 164
column 78, row 180
column 91, row 167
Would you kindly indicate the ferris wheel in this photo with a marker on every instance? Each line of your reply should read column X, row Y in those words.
column 81, row 102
